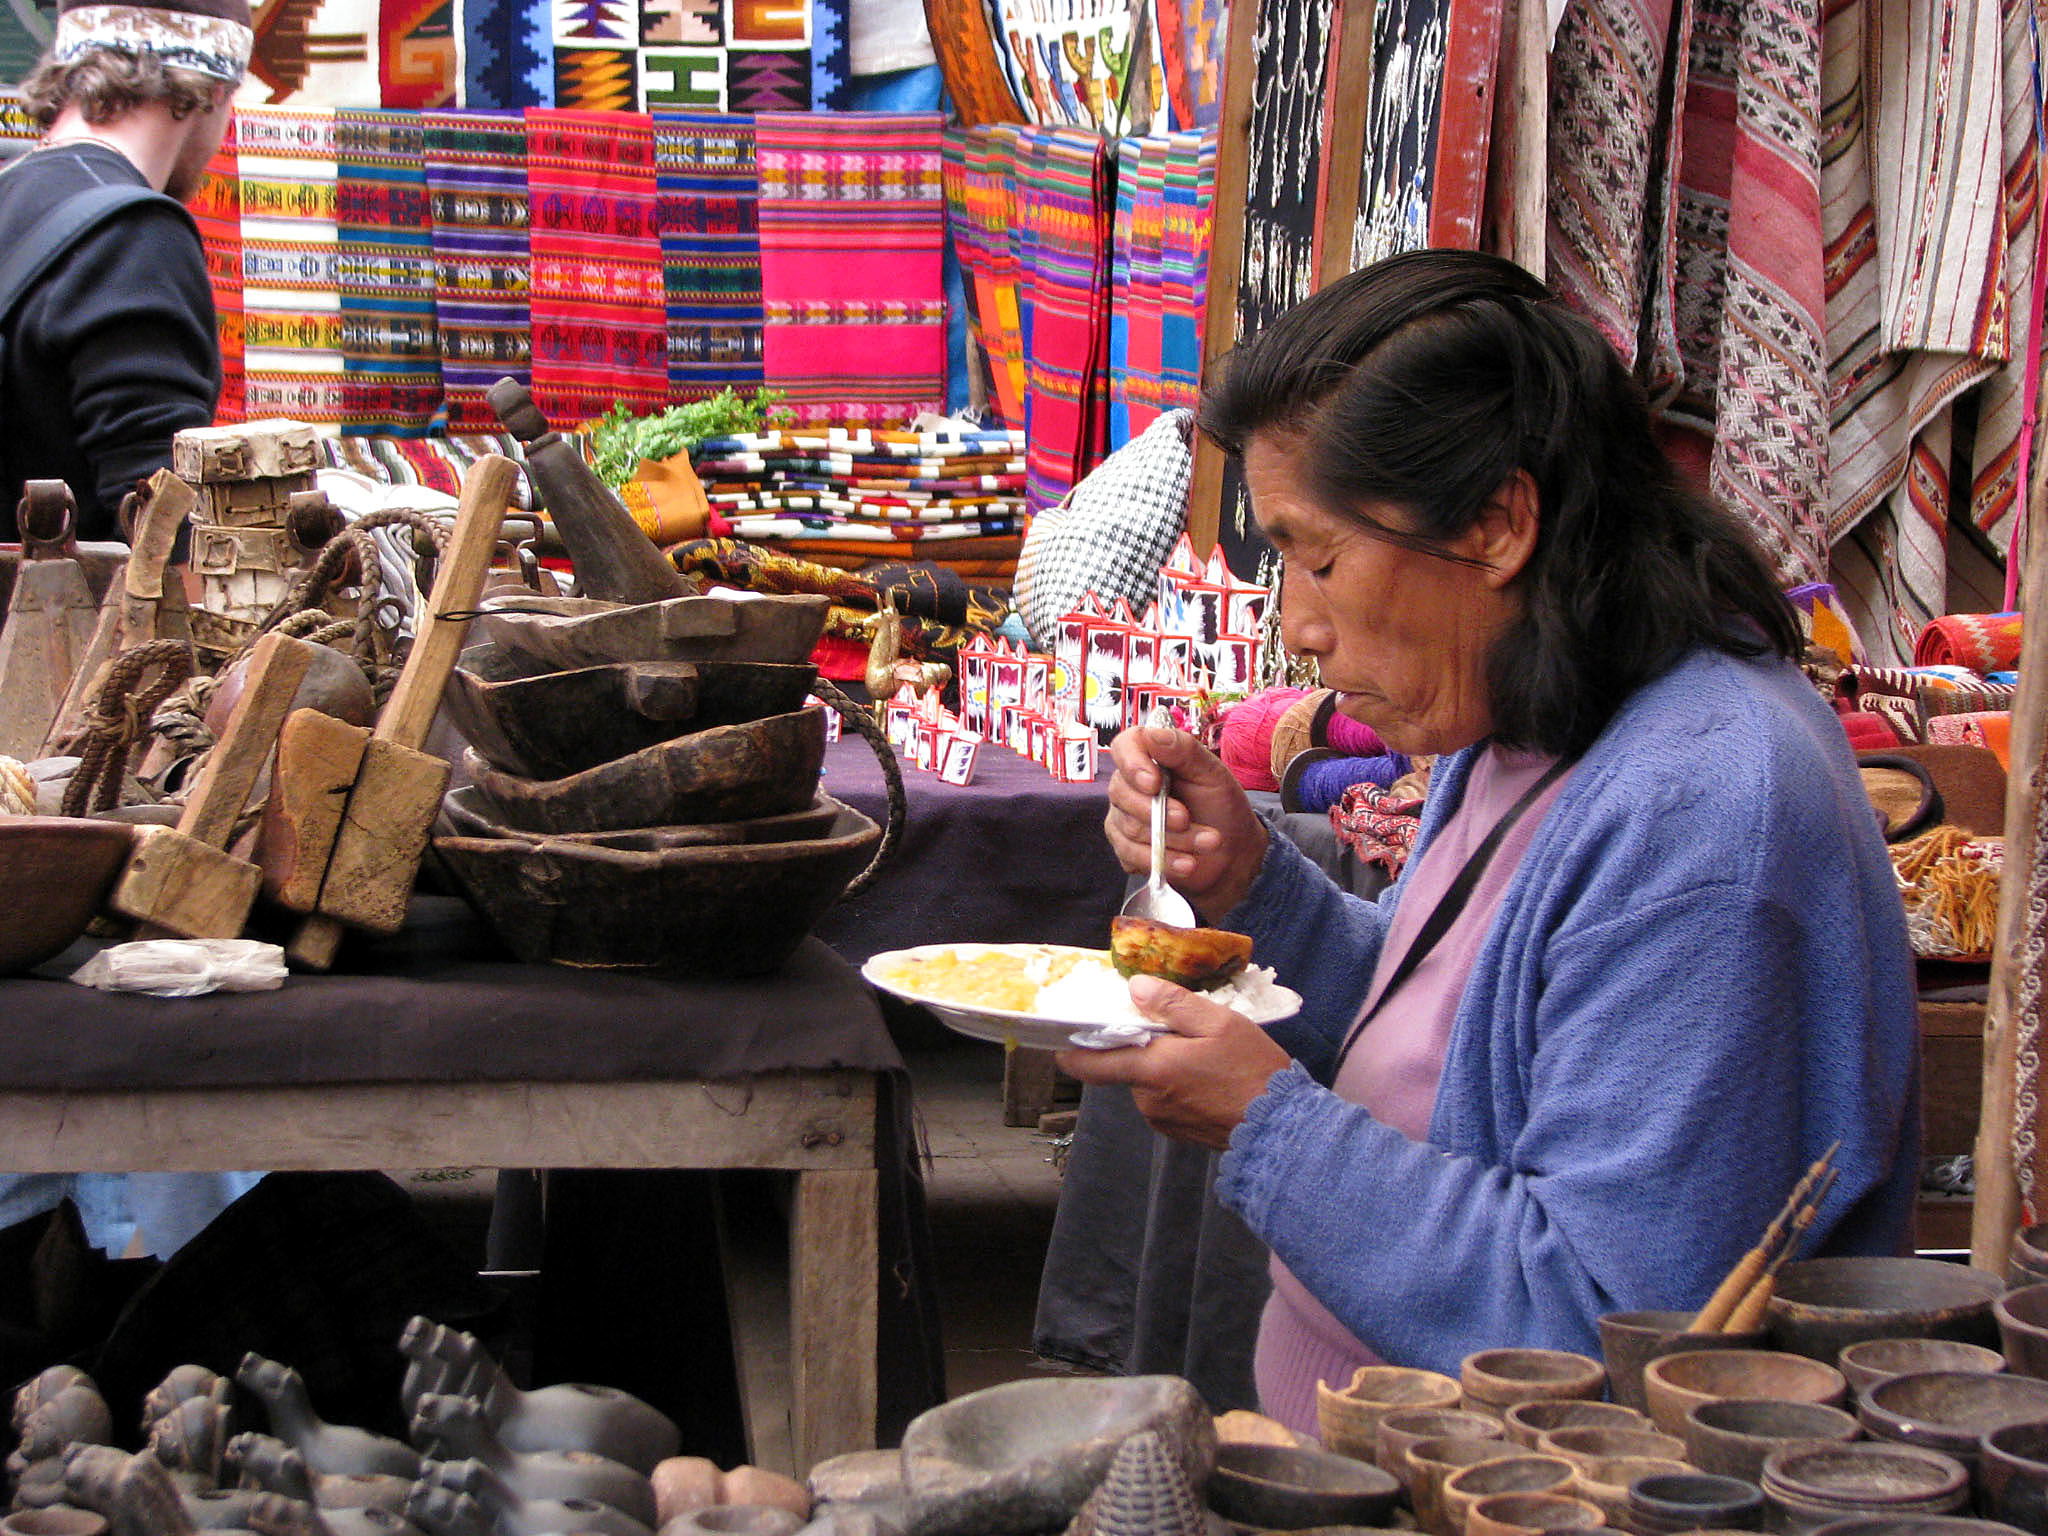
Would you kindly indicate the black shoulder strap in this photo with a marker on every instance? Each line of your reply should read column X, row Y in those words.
column 71, row 220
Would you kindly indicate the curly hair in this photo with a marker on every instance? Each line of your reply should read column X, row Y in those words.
column 107, row 84
column 1424, row 383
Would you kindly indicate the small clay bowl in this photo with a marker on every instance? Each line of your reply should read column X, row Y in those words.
column 1525, row 1473
column 2022, row 1317
column 1950, row 1411
column 1501, row 1378
column 1676, row 1384
column 1347, row 1419
column 1606, row 1483
column 734, row 1520
column 1398, row 1431
column 1823, row 1305
column 1430, row 1462
column 1864, row 1365
column 57, row 1520
column 1598, row 1442
column 1693, row 1501
column 1529, row 1422
column 1734, row 1436
column 1917, row 1525
column 1529, row 1514
column 2012, row 1474
column 1809, row 1486
column 2027, row 1260
column 1277, row 1488
column 1631, row 1340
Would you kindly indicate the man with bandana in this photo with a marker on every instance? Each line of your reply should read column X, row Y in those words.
column 112, row 349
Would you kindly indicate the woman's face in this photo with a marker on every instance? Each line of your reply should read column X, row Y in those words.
column 1404, row 634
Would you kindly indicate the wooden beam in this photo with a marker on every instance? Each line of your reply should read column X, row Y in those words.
column 834, row 1299
column 1226, row 258
column 1517, row 181
column 1347, row 101
column 1997, row 1212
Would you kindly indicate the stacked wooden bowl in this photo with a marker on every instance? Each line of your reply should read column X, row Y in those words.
column 644, row 783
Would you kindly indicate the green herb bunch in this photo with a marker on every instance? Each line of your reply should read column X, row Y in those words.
column 621, row 439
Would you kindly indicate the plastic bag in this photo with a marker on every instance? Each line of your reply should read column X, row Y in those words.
column 184, row 967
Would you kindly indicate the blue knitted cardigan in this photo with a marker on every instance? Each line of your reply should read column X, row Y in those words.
column 1698, row 978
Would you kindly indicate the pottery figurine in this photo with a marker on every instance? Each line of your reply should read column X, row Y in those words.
column 267, row 1463
column 135, row 1493
column 514, row 1514
column 458, row 1429
column 43, row 1386
column 570, row 1416
column 326, row 1447
column 191, row 1436
column 1145, row 1493
column 57, row 1418
column 182, row 1385
column 734, row 1520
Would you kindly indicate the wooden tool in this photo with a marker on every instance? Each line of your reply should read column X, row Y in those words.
column 1757, row 1269
column 182, row 880
column 395, row 790
column 614, row 559
column 50, row 619
column 141, row 607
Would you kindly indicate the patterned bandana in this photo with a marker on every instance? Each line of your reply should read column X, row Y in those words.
column 207, row 45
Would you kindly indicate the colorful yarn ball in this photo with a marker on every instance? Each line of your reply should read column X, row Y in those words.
column 1295, row 732
column 1352, row 737
column 1246, row 745
column 1322, row 784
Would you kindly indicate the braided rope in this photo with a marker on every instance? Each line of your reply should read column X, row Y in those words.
column 2026, row 1020
column 119, row 716
column 863, row 720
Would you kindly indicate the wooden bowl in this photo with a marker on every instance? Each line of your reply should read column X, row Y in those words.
column 1950, row 1411
column 466, row 817
column 2022, row 1317
column 1501, row 1378
column 726, row 626
column 1430, row 1462
column 1918, row 1525
column 1631, row 1340
column 1529, row 1422
column 1864, row 1365
column 2027, row 1260
column 2012, row 1475
column 56, row 871
column 1605, row 1484
column 1349, row 1420
column 730, row 772
column 1669, row 1502
column 526, row 718
column 1526, row 1473
column 1677, row 1384
column 723, row 910
column 1281, row 1489
column 1823, row 1305
column 1734, row 1436
column 1601, row 1442
column 1528, row 1514
column 1411, row 1426
column 1809, row 1486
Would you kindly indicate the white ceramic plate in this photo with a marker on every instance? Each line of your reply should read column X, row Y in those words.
column 1037, row 1031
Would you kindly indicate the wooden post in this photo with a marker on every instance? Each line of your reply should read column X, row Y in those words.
column 1226, row 258
column 1995, row 1215
column 1347, row 102
column 1517, row 183
column 835, row 1276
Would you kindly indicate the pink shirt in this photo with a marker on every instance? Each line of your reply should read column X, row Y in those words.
column 1394, row 1068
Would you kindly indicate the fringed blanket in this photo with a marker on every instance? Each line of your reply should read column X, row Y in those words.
column 391, row 346
column 476, row 181
column 708, row 210
column 291, row 293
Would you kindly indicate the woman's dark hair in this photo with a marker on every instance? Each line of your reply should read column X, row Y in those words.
column 1425, row 382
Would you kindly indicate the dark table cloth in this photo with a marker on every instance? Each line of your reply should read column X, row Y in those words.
column 441, row 1002
column 1014, row 857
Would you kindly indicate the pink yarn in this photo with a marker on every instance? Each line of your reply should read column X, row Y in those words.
column 1246, row 745
column 1352, row 738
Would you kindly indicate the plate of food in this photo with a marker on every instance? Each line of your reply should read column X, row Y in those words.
column 1052, row 996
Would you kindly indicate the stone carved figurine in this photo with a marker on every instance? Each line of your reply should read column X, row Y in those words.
column 1145, row 1494
column 457, row 1428
column 189, row 1440
column 57, row 1410
column 276, row 1515
column 184, row 1384
column 511, row 1515
column 267, row 1463
column 329, row 1448
column 568, row 1417
column 135, row 1493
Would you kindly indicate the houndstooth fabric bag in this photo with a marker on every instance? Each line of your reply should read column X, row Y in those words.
column 1112, row 532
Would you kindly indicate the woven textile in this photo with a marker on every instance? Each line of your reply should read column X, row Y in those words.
column 1190, row 223
column 217, row 209
column 391, row 346
column 419, row 67
column 316, row 54
column 1064, row 217
column 291, row 295
column 1113, row 532
column 1164, row 218
column 506, row 58
column 476, row 182
column 599, row 321
column 708, row 210
column 1930, row 214
column 1983, row 642
column 980, row 175
column 852, row 229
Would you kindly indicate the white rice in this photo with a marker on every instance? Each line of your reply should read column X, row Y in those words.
column 1093, row 993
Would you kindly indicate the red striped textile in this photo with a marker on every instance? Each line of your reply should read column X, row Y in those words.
column 217, row 209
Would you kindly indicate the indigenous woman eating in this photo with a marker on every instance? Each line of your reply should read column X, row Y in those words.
column 1648, row 959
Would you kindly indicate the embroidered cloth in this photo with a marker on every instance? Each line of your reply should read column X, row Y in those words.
column 391, row 346
column 708, row 210
column 291, row 292
column 476, row 182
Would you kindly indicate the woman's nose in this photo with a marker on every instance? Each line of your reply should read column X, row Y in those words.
column 1304, row 627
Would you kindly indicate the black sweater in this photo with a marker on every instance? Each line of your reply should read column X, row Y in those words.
column 111, row 352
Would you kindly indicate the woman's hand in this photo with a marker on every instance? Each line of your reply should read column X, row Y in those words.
column 1195, row 1084
column 1214, row 842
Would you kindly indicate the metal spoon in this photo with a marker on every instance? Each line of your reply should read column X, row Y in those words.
column 1155, row 899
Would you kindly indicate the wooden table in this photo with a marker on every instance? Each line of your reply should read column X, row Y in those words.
column 118, row 1083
